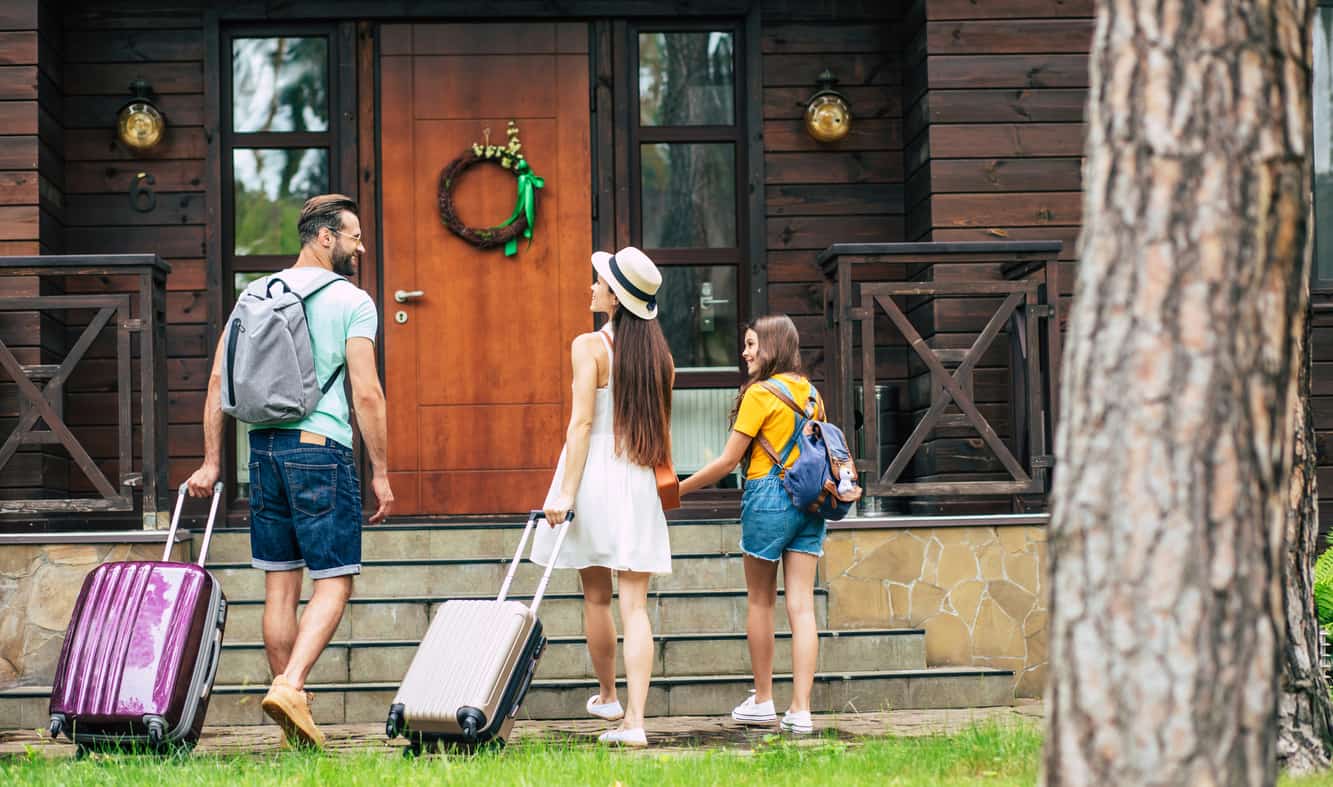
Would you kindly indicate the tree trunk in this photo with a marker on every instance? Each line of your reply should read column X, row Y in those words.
column 1304, row 710
column 1175, row 446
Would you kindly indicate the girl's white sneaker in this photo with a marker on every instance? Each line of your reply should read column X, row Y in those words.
column 797, row 723
column 611, row 711
column 751, row 712
column 635, row 737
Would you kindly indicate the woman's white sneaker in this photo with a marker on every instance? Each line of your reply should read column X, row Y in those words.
column 635, row 737
column 751, row 712
column 797, row 723
column 611, row 711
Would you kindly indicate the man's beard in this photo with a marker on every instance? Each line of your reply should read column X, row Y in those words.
column 343, row 264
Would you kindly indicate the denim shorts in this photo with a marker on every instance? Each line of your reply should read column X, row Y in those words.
column 771, row 524
column 305, row 505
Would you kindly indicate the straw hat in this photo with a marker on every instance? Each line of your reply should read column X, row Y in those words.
column 633, row 277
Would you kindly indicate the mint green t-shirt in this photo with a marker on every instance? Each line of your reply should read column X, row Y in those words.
column 335, row 314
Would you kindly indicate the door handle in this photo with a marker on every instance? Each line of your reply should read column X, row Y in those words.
column 706, row 299
column 403, row 296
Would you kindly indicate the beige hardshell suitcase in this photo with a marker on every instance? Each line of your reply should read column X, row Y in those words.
column 469, row 676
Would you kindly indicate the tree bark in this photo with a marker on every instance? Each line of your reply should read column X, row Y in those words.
column 1175, row 446
column 1305, row 715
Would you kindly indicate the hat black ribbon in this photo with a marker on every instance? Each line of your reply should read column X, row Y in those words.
column 651, row 300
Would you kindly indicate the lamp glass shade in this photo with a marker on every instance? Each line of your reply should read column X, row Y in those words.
column 827, row 118
column 140, row 126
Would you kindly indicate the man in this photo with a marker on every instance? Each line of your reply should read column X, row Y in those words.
column 305, row 502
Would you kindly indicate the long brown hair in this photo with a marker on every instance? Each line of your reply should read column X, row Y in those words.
column 643, row 372
column 779, row 352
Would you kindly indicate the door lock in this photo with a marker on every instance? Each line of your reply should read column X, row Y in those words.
column 400, row 317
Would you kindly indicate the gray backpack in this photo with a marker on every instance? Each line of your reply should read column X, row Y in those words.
column 268, row 373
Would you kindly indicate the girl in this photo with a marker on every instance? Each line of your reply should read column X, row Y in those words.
column 772, row 528
column 618, row 431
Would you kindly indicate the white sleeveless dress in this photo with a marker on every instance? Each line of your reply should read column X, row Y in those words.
column 618, row 519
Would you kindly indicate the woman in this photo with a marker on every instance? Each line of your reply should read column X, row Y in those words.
column 618, row 431
column 772, row 528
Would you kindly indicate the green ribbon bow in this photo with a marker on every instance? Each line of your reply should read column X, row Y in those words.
column 528, row 184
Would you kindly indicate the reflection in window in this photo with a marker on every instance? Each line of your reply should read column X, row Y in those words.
column 698, row 315
column 271, row 184
column 279, row 84
column 1323, row 145
column 688, row 195
column 686, row 79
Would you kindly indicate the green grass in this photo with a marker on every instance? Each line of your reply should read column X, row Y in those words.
column 990, row 755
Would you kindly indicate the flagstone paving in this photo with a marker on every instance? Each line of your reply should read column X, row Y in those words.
column 665, row 734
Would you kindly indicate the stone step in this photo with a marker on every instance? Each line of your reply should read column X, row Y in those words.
column 447, row 542
column 567, row 657
column 469, row 575
column 406, row 618
column 704, row 695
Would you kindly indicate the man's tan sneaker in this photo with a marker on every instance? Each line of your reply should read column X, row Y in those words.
column 290, row 708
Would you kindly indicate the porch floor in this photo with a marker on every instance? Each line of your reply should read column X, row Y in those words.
column 665, row 733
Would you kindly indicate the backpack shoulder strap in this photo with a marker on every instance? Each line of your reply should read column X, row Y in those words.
column 775, row 386
column 817, row 404
column 768, row 449
column 778, row 389
column 324, row 279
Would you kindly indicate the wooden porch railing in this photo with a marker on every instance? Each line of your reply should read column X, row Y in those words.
column 866, row 283
column 41, row 387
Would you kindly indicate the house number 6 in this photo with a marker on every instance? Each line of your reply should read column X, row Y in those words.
column 142, row 197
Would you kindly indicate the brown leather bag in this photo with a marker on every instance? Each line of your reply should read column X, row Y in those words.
column 668, row 485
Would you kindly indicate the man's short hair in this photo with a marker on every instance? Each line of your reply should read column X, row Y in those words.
column 323, row 211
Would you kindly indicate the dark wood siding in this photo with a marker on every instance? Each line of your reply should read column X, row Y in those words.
column 106, row 47
column 20, row 127
column 994, row 98
column 818, row 194
column 31, row 179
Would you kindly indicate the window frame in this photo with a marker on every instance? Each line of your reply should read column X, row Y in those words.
column 341, row 171
column 1318, row 285
column 231, row 140
column 736, row 134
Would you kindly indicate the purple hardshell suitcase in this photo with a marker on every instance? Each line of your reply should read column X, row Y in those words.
column 142, row 649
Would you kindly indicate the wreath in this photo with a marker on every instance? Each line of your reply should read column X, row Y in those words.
column 520, row 223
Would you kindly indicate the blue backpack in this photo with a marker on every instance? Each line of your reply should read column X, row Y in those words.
column 823, row 479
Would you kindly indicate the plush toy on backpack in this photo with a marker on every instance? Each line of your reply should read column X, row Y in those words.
column 823, row 479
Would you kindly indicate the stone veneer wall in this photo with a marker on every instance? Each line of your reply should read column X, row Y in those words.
column 39, row 584
column 978, row 592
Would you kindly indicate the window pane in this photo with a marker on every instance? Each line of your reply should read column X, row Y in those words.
column 280, row 84
column 698, row 316
column 689, row 195
column 700, row 426
column 1323, row 145
column 271, row 184
column 242, row 280
column 686, row 79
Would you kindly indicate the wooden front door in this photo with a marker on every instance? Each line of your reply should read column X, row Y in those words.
column 478, row 377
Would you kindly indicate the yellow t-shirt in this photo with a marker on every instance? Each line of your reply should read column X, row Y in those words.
column 763, row 413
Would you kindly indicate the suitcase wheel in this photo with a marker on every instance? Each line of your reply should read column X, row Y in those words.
column 157, row 734
column 394, row 724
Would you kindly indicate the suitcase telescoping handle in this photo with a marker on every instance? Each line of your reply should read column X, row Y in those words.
column 208, row 529
column 533, row 517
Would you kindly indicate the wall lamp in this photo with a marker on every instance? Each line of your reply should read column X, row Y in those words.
column 828, row 118
column 140, row 125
